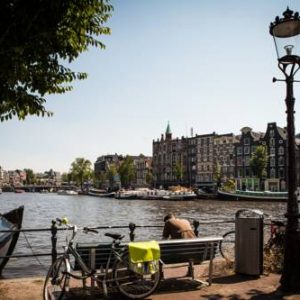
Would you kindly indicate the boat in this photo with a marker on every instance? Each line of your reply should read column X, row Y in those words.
column 180, row 195
column 67, row 192
column 19, row 191
column 253, row 195
column 204, row 195
column 101, row 195
column 126, row 194
column 9, row 221
column 155, row 194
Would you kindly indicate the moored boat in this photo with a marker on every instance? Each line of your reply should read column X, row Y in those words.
column 19, row 191
column 102, row 194
column 155, row 194
column 253, row 195
column 180, row 195
column 67, row 192
column 126, row 194
column 9, row 221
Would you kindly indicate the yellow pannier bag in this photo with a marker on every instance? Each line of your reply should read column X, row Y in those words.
column 144, row 257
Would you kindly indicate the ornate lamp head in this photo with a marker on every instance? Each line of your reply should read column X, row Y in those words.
column 286, row 32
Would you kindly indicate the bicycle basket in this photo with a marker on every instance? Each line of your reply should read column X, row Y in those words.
column 144, row 257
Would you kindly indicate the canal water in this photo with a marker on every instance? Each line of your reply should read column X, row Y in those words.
column 215, row 217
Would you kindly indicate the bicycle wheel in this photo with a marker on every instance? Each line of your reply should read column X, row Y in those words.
column 56, row 280
column 131, row 284
column 227, row 246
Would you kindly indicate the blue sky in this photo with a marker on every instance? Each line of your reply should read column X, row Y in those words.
column 206, row 65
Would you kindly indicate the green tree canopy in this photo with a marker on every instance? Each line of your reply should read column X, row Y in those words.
column 178, row 170
column 81, row 170
column 127, row 171
column 36, row 38
column 30, row 176
column 149, row 177
column 217, row 174
column 259, row 162
column 111, row 174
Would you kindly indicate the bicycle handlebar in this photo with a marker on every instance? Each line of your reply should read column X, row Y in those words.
column 65, row 221
column 87, row 229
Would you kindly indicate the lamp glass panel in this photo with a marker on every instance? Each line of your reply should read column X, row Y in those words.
column 287, row 46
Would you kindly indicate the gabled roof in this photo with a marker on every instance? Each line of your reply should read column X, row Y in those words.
column 282, row 132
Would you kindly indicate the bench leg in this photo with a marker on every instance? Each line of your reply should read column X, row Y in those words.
column 83, row 280
column 161, row 271
column 190, row 272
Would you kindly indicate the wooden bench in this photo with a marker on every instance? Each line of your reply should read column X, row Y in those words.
column 173, row 252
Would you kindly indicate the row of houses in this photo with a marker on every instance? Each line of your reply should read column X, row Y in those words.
column 193, row 161
column 17, row 178
column 142, row 165
column 14, row 178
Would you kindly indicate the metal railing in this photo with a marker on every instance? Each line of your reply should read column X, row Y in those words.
column 131, row 226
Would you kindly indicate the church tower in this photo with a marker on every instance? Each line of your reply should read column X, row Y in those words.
column 168, row 132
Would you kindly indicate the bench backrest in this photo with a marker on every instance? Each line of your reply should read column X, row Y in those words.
column 172, row 251
column 183, row 250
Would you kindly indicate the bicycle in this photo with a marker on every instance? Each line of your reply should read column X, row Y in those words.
column 277, row 236
column 275, row 241
column 132, row 284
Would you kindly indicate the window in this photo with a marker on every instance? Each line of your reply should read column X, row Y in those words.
column 246, row 150
column 281, row 161
column 281, row 173
column 281, row 150
column 272, row 151
column 272, row 173
column 239, row 161
column 272, row 142
column 272, row 133
column 246, row 141
column 247, row 160
column 239, row 150
column 272, row 162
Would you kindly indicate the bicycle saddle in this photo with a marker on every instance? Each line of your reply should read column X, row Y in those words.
column 115, row 236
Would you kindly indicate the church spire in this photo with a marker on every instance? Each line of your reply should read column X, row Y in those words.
column 168, row 132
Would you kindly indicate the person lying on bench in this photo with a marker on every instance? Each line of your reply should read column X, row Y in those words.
column 177, row 228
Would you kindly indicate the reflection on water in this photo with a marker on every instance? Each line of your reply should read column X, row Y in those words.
column 40, row 209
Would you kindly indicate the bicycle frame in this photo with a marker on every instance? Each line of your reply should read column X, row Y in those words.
column 87, row 271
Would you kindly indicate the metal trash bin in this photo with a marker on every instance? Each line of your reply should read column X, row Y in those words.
column 249, row 242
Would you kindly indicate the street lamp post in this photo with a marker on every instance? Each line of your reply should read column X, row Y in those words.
column 286, row 32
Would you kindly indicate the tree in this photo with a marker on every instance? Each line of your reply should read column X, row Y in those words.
column 217, row 174
column 259, row 162
column 66, row 177
column 36, row 38
column 127, row 171
column 30, row 176
column 178, row 170
column 81, row 170
column 149, row 177
column 99, row 179
column 111, row 174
